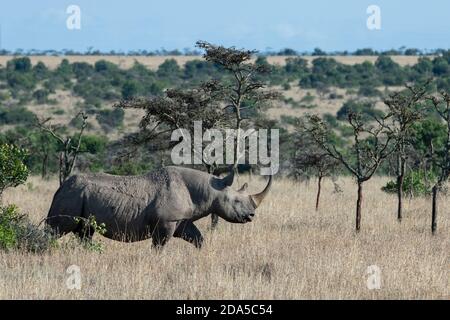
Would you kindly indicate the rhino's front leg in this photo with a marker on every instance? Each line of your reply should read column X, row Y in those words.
column 162, row 233
column 189, row 232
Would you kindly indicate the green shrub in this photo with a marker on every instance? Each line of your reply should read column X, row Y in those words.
column 129, row 89
column 22, row 64
column 4, row 96
column 330, row 120
column 289, row 120
column 16, row 115
column 365, row 108
column 18, row 233
column 13, row 171
column 333, row 96
column 93, row 144
column 8, row 236
column 91, row 225
column 416, row 183
column 308, row 98
column 308, row 106
column 41, row 96
column 369, row 91
column 110, row 119
column 59, row 112
column 286, row 86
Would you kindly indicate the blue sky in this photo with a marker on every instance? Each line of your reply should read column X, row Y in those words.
column 254, row 24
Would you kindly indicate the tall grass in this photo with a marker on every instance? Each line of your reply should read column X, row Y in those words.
column 288, row 252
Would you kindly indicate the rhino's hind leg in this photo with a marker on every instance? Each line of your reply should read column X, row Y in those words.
column 189, row 232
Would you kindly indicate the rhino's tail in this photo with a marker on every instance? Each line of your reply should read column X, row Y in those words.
column 66, row 207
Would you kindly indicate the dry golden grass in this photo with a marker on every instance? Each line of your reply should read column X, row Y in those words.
column 153, row 62
column 288, row 252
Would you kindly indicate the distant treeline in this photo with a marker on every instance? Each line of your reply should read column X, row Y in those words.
column 24, row 86
column 192, row 52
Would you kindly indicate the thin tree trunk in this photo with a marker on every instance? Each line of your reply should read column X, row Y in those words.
column 400, row 177
column 400, row 181
column 44, row 166
column 358, row 207
column 434, row 210
column 319, row 188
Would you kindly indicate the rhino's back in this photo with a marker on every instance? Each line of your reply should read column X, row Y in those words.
column 130, row 204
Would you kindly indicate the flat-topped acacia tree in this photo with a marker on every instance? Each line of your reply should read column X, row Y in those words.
column 243, row 92
column 370, row 146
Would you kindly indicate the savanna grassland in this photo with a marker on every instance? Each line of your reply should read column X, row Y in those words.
column 288, row 252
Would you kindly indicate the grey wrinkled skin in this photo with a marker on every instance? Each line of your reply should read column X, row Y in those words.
column 157, row 205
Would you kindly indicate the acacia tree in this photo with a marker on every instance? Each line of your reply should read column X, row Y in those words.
column 371, row 145
column 244, row 92
column 442, row 106
column 176, row 109
column 405, row 111
column 310, row 159
column 70, row 146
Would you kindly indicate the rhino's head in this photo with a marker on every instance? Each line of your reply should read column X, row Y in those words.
column 236, row 205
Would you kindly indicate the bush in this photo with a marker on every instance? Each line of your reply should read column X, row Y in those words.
column 169, row 69
column 16, row 115
column 110, row 119
column 369, row 91
column 13, row 171
column 365, row 108
column 129, row 89
column 416, row 183
column 22, row 64
column 41, row 96
column 17, row 232
column 289, row 120
column 93, row 144
column 308, row 98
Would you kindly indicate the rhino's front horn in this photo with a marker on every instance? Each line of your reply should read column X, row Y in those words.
column 258, row 198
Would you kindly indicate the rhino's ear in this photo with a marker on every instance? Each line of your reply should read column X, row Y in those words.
column 228, row 180
column 243, row 188
column 222, row 183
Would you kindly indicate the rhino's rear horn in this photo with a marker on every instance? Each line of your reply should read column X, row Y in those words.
column 259, row 197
